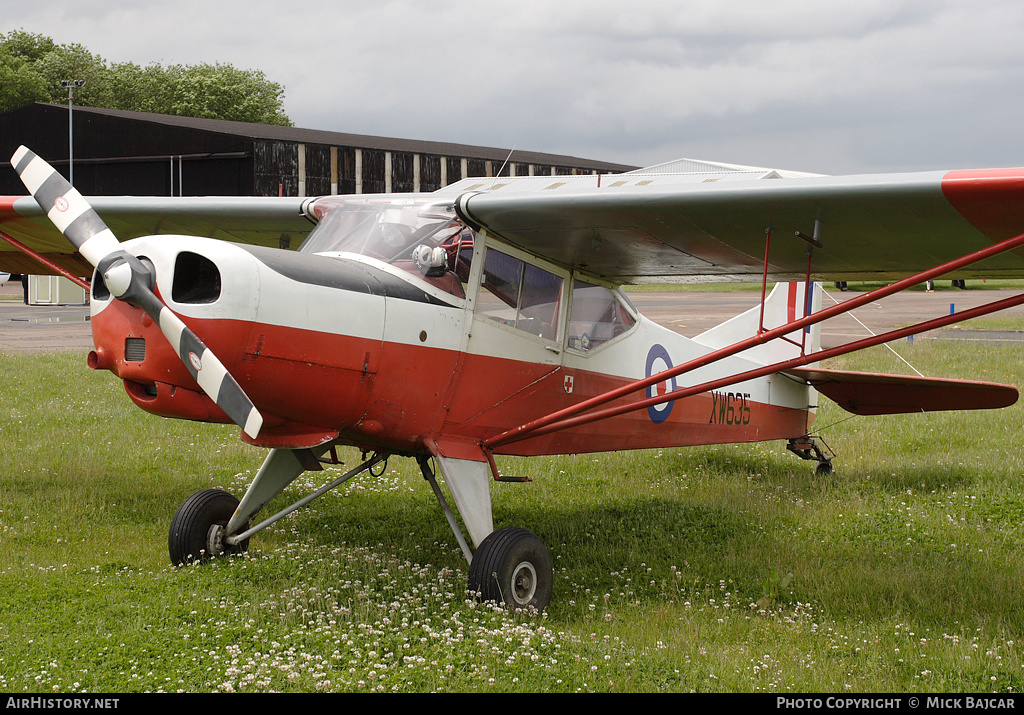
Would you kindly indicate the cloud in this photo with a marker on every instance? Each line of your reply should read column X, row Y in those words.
column 827, row 86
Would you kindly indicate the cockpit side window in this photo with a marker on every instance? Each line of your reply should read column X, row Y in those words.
column 519, row 294
column 596, row 317
column 444, row 265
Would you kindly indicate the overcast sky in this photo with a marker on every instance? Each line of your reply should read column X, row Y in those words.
column 812, row 85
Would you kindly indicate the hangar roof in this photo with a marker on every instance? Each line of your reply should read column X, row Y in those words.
column 358, row 141
column 699, row 166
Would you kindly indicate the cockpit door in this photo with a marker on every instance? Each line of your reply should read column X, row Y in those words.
column 513, row 352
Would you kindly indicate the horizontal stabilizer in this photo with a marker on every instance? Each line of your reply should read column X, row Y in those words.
column 866, row 393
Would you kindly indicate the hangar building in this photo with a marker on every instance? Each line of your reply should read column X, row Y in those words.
column 134, row 153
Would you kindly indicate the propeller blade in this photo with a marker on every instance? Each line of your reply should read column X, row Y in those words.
column 207, row 369
column 128, row 279
column 65, row 207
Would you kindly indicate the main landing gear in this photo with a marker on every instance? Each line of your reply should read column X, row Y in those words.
column 807, row 448
column 197, row 529
column 510, row 566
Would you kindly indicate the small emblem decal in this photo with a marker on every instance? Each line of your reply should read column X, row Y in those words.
column 196, row 362
column 567, row 384
column 61, row 204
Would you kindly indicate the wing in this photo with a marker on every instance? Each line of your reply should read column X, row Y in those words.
column 659, row 228
column 639, row 227
column 275, row 222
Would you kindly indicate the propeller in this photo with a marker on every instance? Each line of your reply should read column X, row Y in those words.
column 130, row 280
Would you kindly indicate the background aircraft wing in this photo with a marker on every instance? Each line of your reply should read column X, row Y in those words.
column 274, row 222
column 636, row 228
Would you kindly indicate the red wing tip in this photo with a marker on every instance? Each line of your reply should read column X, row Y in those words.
column 7, row 204
column 990, row 199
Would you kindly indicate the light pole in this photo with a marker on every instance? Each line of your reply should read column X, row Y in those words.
column 70, row 84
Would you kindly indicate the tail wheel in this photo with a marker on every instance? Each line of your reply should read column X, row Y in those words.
column 512, row 567
column 197, row 529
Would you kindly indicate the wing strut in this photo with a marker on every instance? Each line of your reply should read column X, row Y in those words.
column 812, row 242
column 570, row 416
column 45, row 261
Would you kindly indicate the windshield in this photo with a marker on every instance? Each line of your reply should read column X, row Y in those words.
column 422, row 237
column 387, row 231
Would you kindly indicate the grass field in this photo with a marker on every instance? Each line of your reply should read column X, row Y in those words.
column 707, row 569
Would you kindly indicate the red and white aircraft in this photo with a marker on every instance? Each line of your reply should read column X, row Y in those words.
column 486, row 318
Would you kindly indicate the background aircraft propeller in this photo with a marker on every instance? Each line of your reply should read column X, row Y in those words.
column 129, row 279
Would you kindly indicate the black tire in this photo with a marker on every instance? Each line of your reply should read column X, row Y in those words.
column 512, row 567
column 190, row 527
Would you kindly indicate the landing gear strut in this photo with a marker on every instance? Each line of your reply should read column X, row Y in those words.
column 212, row 522
column 807, row 448
column 510, row 566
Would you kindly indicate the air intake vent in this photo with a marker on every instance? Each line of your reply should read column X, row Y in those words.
column 134, row 349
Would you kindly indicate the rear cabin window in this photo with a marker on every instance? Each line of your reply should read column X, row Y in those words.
column 597, row 316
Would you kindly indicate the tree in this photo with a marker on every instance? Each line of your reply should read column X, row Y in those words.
column 27, row 46
column 32, row 67
column 20, row 82
column 66, row 62
column 218, row 91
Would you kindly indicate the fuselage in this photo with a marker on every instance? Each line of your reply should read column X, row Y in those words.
column 352, row 349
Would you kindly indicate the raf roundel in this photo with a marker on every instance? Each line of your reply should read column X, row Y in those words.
column 658, row 360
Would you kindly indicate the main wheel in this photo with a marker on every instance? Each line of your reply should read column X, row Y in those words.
column 197, row 529
column 512, row 567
